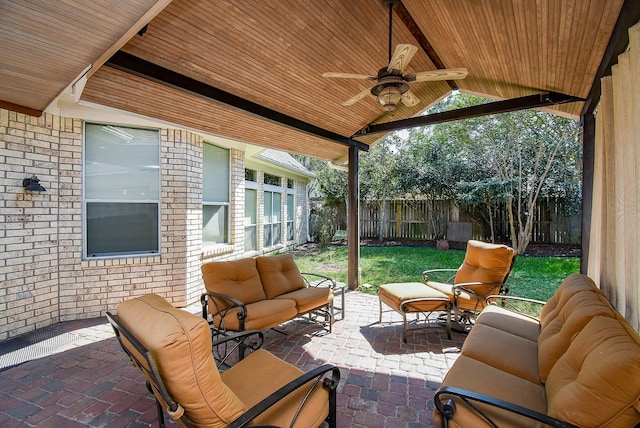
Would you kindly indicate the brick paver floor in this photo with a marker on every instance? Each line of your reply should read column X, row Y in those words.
column 384, row 383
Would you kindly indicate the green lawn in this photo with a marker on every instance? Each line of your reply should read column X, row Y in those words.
column 532, row 277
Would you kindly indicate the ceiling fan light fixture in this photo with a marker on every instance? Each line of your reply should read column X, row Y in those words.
column 389, row 97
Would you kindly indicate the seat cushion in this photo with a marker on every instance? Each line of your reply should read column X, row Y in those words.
column 505, row 351
column 473, row 375
column 260, row 315
column 279, row 275
column 395, row 294
column 309, row 298
column 180, row 344
column 596, row 382
column 237, row 278
column 260, row 374
column 510, row 322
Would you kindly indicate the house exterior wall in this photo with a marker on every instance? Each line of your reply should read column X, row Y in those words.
column 43, row 276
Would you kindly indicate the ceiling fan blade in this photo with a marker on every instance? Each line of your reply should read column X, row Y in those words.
column 401, row 57
column 357, row 97
column 349, row 76
column 446, row 74
column 409, row 99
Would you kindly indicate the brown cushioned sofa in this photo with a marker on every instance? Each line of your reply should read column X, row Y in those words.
column 577, row 365
column 259, row 293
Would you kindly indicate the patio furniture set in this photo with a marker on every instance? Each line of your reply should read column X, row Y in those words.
column 513, row 369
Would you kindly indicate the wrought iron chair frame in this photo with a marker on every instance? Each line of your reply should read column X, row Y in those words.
column 237, row 341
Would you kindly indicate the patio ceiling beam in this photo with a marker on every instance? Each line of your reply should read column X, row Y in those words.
column 422, row 40
column 530, row 101
column 139, row 67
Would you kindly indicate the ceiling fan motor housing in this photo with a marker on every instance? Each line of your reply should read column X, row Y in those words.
column 385, row 79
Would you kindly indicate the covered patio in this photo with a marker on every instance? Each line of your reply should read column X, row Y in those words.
column 252, row 72
column 384, row 382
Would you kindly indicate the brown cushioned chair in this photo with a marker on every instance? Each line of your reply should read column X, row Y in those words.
column 173, row 349
column 483, row 273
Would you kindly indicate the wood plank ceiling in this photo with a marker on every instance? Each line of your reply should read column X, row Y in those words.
column 273, row 53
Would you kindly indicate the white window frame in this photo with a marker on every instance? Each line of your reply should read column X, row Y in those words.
column 251, row 185
column 290, row 222
column 225, row 204
column 270, row 188
column 86, row 201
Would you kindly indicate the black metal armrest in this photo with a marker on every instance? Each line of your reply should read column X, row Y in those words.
column 469, row 286
column 235, row 303
column 224, row 348
column 437, row 273
column 521, row 305
column 326, row 281
column 447, row 407
column 330, row 382
column 491, row 298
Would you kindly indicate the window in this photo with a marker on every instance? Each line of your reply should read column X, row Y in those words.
column 290, row 213
column 272, row 219
column 290, row 220
column 121, row 191
column 215, row 194
column 250, row 219
column 250, row 211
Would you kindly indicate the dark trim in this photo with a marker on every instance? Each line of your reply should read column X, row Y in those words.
column 20, row 109
column 588, row 173
column 522, row 103
column 629, row 16
column 353, row 221
column 139, row 67
column 422, row 40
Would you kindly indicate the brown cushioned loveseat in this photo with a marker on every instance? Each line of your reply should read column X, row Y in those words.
column 577, row 365
column 259, row 293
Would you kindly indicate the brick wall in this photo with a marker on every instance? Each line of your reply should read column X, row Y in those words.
column 29, row 222
column 42, row 275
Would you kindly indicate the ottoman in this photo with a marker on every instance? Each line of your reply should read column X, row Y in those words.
column 414, row 297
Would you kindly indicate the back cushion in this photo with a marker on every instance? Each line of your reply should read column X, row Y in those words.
column 237, row 278
column 597, row 381
column 572, row 284
column 180, row 344
column 484, row 262
column 279, row 275
column 572, row 317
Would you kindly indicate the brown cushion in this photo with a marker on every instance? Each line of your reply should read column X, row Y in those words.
column 309, row 298
column 236, row 278
column 596, row 382
column 269, row 373
column 571, row 318
column 505, row 351
column 484, row 262
column 279, row 274
column 180, row 344
column 395, row 294
column 473, row 375
column 572, row 284
column 509, row 322
column 260, row 315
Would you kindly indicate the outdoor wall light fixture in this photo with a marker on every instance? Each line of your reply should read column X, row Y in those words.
column 33, row 184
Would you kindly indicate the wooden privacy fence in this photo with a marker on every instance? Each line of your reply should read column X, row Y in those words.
column 428, row 219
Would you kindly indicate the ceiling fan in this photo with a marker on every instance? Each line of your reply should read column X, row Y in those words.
column 392, row 86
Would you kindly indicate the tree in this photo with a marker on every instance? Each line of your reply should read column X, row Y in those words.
column 512, row 159
column 379, row 181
